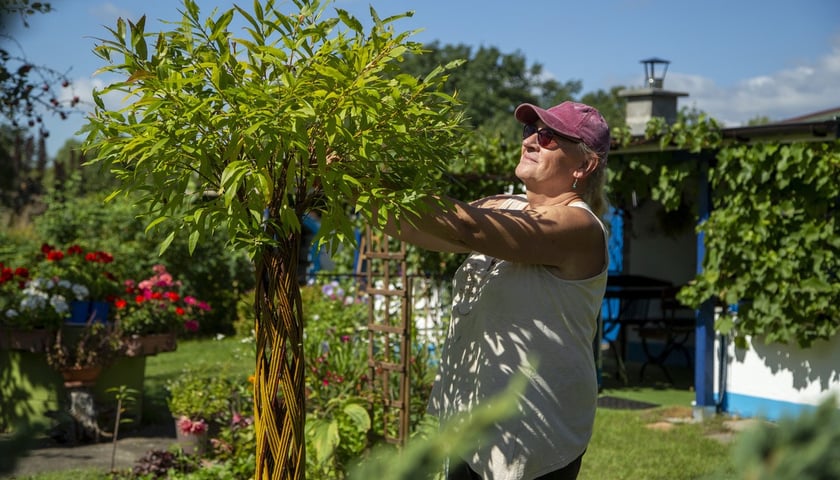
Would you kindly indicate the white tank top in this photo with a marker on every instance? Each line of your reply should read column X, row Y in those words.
column 503, row 314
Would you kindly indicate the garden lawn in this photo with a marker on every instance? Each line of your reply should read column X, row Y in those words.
column 644, row 444
column 223, row 355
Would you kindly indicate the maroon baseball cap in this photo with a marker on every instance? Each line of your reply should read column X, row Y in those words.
column 573, row 120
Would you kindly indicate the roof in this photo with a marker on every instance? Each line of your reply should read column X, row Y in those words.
column 829, row 114
column 813, row 127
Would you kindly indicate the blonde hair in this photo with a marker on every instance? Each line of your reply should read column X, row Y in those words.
column 593, row 190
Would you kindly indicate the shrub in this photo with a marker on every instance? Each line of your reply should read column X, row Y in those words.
column 199, row 395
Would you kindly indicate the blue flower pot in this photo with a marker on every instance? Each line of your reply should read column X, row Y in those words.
column 83, row 311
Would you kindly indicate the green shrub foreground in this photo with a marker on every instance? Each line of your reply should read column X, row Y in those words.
column 624, row 445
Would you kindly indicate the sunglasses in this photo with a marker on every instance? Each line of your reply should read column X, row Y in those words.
column 546, row 137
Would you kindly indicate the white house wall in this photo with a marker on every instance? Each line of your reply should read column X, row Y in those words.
column 774, row 381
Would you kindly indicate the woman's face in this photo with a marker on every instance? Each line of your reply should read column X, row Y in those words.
column 551, row 168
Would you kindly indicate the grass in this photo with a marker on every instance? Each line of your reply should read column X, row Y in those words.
column 644, row 444
column 227, row 354
column 632, row 444
column 656, row 443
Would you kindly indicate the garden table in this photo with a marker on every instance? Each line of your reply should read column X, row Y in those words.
column 637, row 301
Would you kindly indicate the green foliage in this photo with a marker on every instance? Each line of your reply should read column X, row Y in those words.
column 337, row 399
column 300, row 114
column 669, row 176
column 199, row 394
column 247, row 135
column 806, row 447
column 772, row 243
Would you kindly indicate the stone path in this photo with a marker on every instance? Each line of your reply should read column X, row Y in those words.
column 46, row 455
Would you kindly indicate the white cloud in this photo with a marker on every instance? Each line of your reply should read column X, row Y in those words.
column 108, row 12
column 787, row 93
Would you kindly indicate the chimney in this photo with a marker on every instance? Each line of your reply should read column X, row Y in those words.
column 652, row 100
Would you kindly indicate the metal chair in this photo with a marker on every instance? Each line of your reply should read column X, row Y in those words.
column 673, row 329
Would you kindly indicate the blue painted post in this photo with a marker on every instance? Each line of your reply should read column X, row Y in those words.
column 704, row 378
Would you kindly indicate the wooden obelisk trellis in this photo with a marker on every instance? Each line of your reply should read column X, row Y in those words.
column 382, row 263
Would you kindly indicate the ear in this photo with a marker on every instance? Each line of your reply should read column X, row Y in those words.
column 589, row 165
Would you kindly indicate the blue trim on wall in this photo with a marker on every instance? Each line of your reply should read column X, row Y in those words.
column 774, row 410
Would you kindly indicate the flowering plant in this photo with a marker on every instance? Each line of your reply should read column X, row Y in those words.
column 42, row 303
column 90, row 270
column 40, row 297
column 157, row 305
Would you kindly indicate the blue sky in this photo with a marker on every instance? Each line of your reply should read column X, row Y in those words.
column 737, row 59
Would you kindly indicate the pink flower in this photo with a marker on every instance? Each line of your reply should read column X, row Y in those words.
column 191, row 325
column 194, row 427
column 164, row 280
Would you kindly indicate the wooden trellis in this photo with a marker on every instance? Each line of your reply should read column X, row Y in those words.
column 382, row 264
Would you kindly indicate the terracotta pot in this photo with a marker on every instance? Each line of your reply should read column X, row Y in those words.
column 152, row 344
column 81, row 377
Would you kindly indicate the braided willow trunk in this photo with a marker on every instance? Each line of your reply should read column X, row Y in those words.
column 279, row 386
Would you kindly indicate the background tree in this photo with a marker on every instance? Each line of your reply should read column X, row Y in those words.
column 28, row 92
column 249, row 134
column 23, row 169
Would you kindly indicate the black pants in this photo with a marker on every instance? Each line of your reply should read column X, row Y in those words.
column 460, row 470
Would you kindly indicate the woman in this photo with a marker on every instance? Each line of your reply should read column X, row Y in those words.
column 527, row 298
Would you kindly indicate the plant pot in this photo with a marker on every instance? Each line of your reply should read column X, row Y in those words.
column 191, row 443
column 82, row 312
column 35, row 341
column 76, row 377
column 151, row 344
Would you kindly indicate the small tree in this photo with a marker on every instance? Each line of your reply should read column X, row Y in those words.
column 249, row 134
